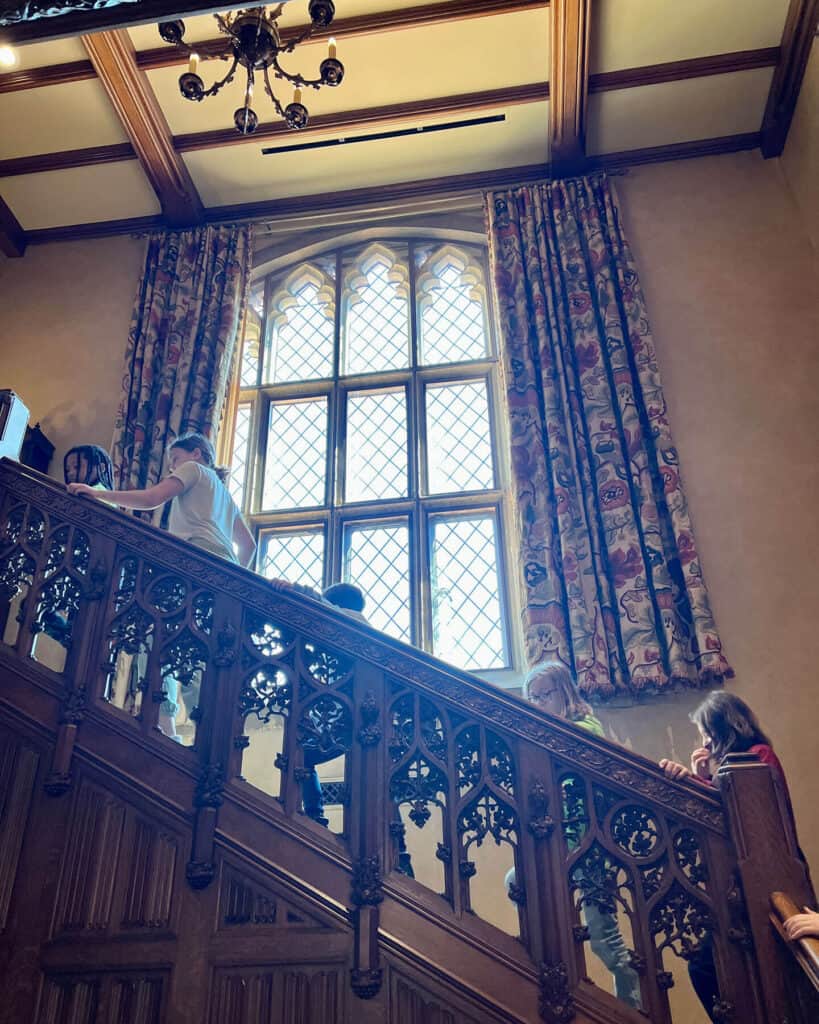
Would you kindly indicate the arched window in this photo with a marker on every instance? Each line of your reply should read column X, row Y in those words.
column 365, row 439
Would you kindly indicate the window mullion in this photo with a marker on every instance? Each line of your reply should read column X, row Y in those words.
column 259, row 430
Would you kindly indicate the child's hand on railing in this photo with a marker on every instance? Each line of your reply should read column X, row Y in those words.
column 81, row 489
column 673, row 769
column 803, row 926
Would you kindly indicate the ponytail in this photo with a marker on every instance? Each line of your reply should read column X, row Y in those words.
column 190, row 442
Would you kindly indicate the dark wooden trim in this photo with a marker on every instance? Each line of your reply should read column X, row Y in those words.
column 65, row 159
column 113, row 56
column 569, row 82
column 794, row 52
column 627, row 78
column 532, row 93
column 117, row 14
column 361, row 25
column 56, row 74
column 12, row 237
column 675, row 151
column 476, row 182
column 97, row 229
column 679, row 70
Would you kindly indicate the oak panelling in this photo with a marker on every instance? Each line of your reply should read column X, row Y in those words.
column 278, row 994
column 103, row 998
column 18, row 770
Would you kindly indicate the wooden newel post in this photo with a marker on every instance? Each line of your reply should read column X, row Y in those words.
column 768, row 860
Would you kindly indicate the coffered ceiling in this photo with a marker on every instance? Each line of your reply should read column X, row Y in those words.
column 95, row 136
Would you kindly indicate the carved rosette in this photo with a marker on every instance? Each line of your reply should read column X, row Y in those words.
column 370, row 732
column 225, row 646
column 541, row 825
column 367, row 888
column 73, row 709
column 57, row 783
column 200, row 873
column 556, row 1003
column 211, row 786
column 366, row 982
column 97, row 581
column 722, row 1010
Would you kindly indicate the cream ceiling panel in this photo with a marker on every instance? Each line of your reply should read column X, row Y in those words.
column 437, row 60
column 57, row 117
column 698, row 108
column 79, row 195
column 40, row 55
column 633, row 33
column 240, row 174
column 146, row 37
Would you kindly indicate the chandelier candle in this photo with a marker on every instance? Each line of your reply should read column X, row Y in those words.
column 254, row 44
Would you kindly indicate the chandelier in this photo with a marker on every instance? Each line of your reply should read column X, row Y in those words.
column 254, row 46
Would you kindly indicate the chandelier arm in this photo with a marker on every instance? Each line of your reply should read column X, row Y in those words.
column 223, row 24
column 298, row 80
column 291, row 46
column 222, row 82
column 268, row 88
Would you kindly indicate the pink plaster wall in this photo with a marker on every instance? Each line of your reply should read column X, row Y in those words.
column 66, row 309
column 731, row 281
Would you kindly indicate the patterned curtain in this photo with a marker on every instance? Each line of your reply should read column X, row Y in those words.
column 189, row 306
column 612, row 581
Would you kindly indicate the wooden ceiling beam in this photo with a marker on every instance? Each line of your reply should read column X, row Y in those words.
column 12, row 237
column 569, row 85
column 360, row 25
column 461, row 184
column 366, row 117
column 365, row 24
column 626, row 78
column 114, row 59
column 794, row 52
column 680, row 70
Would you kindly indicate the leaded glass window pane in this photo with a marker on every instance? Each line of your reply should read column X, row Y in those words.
column 466, row 605
column 376, row 446
column 459, row 446
column 376, row 303
column 301, row 327
column 296, row 457
column 241, row 453
column 296, row 556
column 451, row 303
column 376, row 558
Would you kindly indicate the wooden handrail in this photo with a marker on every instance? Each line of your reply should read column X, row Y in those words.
column 482, row 700
column 805, row 950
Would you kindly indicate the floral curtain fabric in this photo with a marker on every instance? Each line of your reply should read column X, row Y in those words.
column 189, row 307
column 612, row 582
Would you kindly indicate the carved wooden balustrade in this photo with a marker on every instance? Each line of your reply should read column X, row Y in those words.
column 103, row 618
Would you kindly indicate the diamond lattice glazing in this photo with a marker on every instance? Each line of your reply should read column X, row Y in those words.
column 459, row 449
column 301, row 342
column 296, row 557
column 452, row 325
column 376, row 332
column 241, row 447
column 377, row 560
column 466, row 609
column 376, row 446
column 295, row 464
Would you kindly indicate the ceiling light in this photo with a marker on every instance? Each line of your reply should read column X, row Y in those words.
column 8, row 58
column 254, row 44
